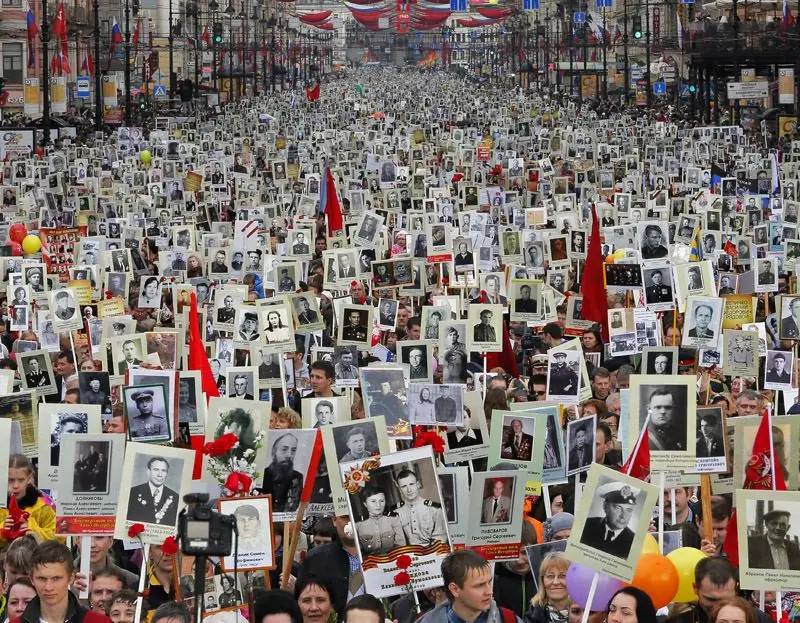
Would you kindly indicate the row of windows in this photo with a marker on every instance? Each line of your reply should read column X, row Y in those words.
column 12, row 62
column 12, row 3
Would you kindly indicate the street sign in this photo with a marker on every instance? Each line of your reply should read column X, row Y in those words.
column 83, row 87
column 579, row 17
column 660, row 88
column 748, row 90
column 160, row 91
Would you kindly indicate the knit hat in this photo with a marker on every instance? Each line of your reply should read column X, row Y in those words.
column 557, row 523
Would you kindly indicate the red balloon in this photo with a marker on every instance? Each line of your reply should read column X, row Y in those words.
column 17, row 232
column 16, row 248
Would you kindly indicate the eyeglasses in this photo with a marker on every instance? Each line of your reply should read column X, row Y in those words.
column 551, row 577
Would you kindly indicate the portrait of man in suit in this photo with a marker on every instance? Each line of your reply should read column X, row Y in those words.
column 496, row 505
column 152, row 501
column 240, row 383
column 346, row 268
column 305, row 315
column 774, row 550
column 484, row 331
column 703, row 314
column 132, row 354
column 580, row 453
column 790, row 325
column 709, row 441
column 610, row 533
column 519, row 444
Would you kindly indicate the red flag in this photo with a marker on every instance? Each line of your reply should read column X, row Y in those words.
column 60, row 23
column 505, row 359
column 758, row 475
column 65, row 66
column 593, row 289
column 312, row 94
column 638, row 463
column 331, row 207
column 198, row 360
column 136, row 34
column 55, row 64
column 206, row 36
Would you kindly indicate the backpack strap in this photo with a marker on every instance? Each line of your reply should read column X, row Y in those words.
column 508, row 615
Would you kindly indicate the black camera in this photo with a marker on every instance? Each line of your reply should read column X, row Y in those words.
column 203, row 531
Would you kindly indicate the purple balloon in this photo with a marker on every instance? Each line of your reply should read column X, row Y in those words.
column 579, row 581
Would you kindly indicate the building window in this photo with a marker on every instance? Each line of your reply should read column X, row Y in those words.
column 15, row 3
column 12, row 62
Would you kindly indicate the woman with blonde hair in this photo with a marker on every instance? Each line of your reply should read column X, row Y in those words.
column 551, row 602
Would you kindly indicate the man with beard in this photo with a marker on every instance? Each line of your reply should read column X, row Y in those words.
column 281, row 480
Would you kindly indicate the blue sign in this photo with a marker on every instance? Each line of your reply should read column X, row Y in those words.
column 579, row 17
column 160, row 91
column 83, row 87
column 604, row 4
column 660, row 88
column 530, row 5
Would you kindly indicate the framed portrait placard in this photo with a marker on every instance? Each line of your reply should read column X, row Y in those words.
column 769, row 555
column 611, row 522
column 495, row 529
column 454, row 485
column 56, row 421
column 519, row 441
column 154, row 481
column 670, row 402
column 406, row 483
column 87, row 485
column 712, row 441
column 256, row 548
column 470, row 440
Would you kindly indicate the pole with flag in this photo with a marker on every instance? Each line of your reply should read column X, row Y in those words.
column 32, row 33
column 696, row 253
column 595, row 301
column 329, row 203
column 762, row 474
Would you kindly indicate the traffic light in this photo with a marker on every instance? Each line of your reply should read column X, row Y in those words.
column 637, row 27
column 142, row 100
column 693, row 88
column 217, row 32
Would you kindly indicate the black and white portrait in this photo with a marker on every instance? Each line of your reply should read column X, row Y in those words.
column 563, row 379
column 92, row 461
column 580, row 444
column 145, row 409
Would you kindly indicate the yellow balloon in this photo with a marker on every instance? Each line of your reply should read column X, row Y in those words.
column 145, row 156
column 650, row 545
column 685, row 560
column 31, row 244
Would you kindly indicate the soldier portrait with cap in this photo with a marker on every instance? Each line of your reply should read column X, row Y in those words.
column 356, row 328
column 611, row 532
column 65, row 305
column 772, row 546
column 423, row 521
column 248, row 329
column 562, row 378
column 145, row 410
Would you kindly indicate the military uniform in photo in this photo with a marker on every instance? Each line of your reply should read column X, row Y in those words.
column 379, row 535
column 600, row 532
column 563, row 379
column 147, row 425
column 150, row 504
column 423, row 522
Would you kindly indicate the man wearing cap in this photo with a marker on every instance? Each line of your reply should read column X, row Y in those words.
column 248, row 332
column 153, row 502
column 563, row 379
column 774, row 550
column 286, row 283
column 254, row 258
column 611, row 533
column 146, row 423
column 766, row 276
column 345, row 370
column 777, row 373
column 64, row 311
column 355, row 331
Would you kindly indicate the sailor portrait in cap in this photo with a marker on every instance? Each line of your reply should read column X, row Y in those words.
column 248, row 330
column 610, row 533
column 146, row 423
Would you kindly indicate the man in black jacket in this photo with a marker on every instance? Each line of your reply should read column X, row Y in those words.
column 337, row 563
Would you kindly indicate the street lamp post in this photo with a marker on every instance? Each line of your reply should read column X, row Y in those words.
column 171, row 43
column 98, row 85
column 626, row 61
column 647, row 54
column 213, row 7
column 45, row 74
column 198, row 50
column 229, row 11
column 127, row 63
